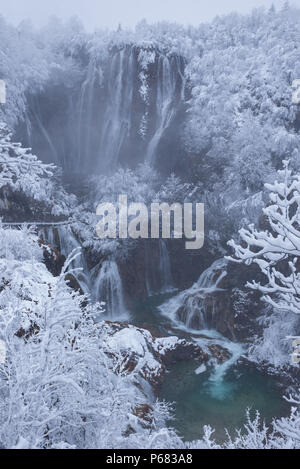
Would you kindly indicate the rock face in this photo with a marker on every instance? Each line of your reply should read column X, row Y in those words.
column 144, row 414
column 16, row 207
column 138, row 352
column 173, row 349
column 53, row 259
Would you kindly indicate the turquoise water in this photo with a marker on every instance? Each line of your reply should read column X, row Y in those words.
column 146, row 313
column 200, row 401
column 220, row 396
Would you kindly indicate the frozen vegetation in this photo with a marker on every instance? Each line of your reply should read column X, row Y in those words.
column 168, row 114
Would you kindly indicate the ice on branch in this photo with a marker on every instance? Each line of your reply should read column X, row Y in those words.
column 276, row 250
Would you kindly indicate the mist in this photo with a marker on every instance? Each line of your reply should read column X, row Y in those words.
column 103, row 14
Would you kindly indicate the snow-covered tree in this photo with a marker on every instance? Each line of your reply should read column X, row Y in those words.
column 60, row 386
column 22, row 172
column 276, row 250
column 241, row 99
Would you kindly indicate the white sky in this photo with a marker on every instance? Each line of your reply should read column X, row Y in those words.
column 109, row 13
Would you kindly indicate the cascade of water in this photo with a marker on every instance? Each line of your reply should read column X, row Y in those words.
column 166, row 95
column 102, row 126
column 67, row 243
column 217, row 385
column 35, row 110
column 119, row 112
column 189, row 311
column 48, row 235
column 117, row 127
column 109, row 289
column 165, row 268
column 149, row 272
column 86, row 115
column 220, row 370
column 158, row 273
column 189, row 307
column 211, row 277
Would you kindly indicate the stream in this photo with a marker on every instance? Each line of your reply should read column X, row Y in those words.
column 219, row 396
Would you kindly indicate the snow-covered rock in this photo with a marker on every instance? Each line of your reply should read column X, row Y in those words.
column 201, row 369
column 148, row 356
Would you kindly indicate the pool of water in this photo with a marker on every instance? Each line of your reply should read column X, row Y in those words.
column 201, row 400
column 220, row 396
column 146, row 313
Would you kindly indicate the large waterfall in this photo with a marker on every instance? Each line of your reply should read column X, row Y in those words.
column 107, row 288
column 195, row 307
column 96, row 124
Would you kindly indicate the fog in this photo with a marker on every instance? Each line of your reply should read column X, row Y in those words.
column 108, row 14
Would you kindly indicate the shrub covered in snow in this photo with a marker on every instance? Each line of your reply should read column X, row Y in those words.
column 22, row 172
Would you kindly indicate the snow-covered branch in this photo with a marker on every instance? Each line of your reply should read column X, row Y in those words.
column 276, row 250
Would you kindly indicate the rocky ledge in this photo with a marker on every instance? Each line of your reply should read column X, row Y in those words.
column 147, row 357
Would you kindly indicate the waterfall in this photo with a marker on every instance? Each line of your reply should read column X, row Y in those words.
column 166, row 96
column 190, row 306
column 66, row 242
column 87, row 105
column 158, row 273
column 103, row 284
column 107, row 287
column 211, row 277
column 165, row 268
column 119, row 107
column 36, row 112
column 48, row 235
column 120, row 116
column 100, row 119
column 194, row 309
column 216, row 386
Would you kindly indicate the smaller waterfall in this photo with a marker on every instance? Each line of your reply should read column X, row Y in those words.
column 158, row 274
column 86, row 117
column 48, row 234
column 190, row 306
column 195, row 309
column 68, row 243
column 35, row 110
column 168, row 73
column 211, row 277
column 108, row 288
column 165, row 268
column 63, row 239
column 217, row 386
